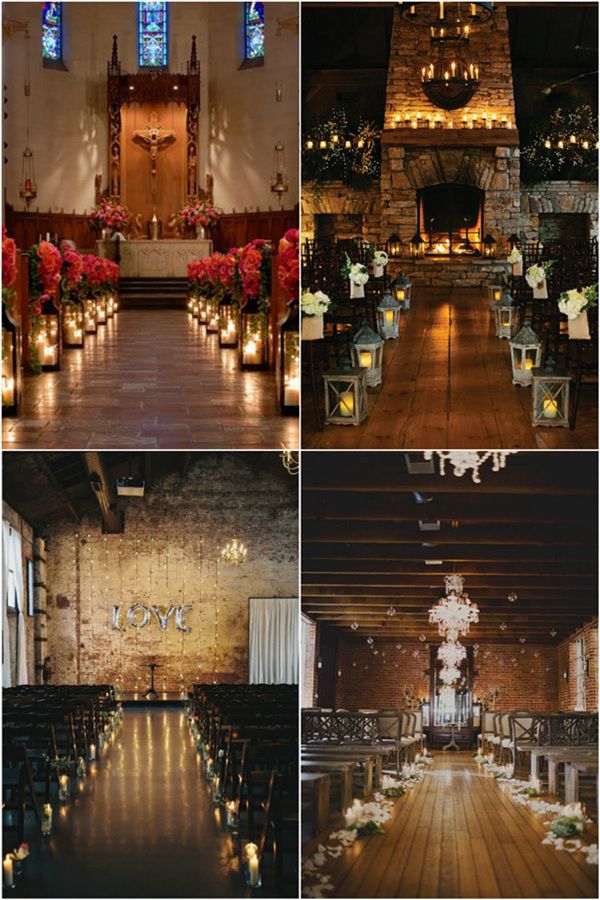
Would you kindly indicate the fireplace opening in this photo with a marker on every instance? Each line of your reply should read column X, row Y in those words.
column 450, row 220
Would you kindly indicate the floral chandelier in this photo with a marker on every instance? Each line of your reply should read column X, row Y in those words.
column 234, row 553
column 451, row 654
column 454, row 616
column 465, row 460
column 449, row 675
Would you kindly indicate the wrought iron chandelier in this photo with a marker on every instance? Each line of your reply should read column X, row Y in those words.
column 234, row 553
column 433, row 13
column 450, row 77
column 465, row 460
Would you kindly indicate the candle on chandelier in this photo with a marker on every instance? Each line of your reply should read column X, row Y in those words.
column 572, row 139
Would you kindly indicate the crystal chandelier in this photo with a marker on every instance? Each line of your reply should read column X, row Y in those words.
column 448, row 675
column 234, row 553
column 454, row 614
column 290, row 461
column 463, row 460
column 451, row 654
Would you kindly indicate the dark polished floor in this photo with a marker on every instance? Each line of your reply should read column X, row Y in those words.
column 447, row 383
column 142, row 825
column 151, row 378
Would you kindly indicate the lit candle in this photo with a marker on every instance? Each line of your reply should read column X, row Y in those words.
column 418, row 117
column 484, row 117
column 348, row 144
column 231, row 808
column 347, row 404
column 92, row 752
column 561, row 145
column 503, row 121
column 476, row 73
column 451, row 123
column 46, row 819
column 335, row 138
column 586, row 145
column 365, row 359
column 572, row 139
column 464, row 121
column 441, row 9
column 63, row 787
column 7, row 871
column 453, row 68
column 489, row 124
column 360, row 144
column 400, row 298
column 550, row 408
column 8, row 387
column 497, row 296
column 471, row 70
column 529, row 363
column 310, row 145
column 474, row 118
column 322, row 145
column 414, row 123
column 446, row 75
column 389, row 316
column 397, row 118
column 48, row 352
column 494, row 118
column 253, row 870
column 423, row 70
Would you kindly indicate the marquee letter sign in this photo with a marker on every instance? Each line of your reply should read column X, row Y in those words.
column 138, row 616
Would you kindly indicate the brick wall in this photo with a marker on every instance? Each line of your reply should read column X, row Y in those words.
column 26, row 532
column 167, row 555
column 524, row 675
column 566, row 666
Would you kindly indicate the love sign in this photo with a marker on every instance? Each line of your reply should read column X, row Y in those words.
column 139, row 615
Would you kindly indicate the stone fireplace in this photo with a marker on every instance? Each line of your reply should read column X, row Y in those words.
column 450, row 177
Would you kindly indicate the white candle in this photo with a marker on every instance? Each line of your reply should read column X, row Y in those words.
column 46, row 819
column 254, row 870
column 7, row 871
column 347, row 404
column 550, row 408
column 92, row 752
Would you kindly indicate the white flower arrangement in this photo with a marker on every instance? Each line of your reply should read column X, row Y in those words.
column 380, row 258
column 515, row 256
column 358, row 274
column 314, row 304
column 536, row 275
column 573, row 303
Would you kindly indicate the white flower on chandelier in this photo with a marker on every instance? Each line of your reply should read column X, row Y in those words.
column 448, row 675
column 463, row 460
column 451, row 654
column 454, row 615
column 454, row 584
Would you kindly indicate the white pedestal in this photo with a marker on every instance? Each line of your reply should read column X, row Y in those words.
column 155, row 259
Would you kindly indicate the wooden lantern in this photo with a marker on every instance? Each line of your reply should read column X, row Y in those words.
column 401, row 287
column 388, row 315
column 72, row 325
column 345, row 396
column 48, row 337
column 367, row 352
column 89, row 315
column 550, row 396
column 526, row 355
column 228, row 322
column 417, row 247
column 506, row 317
column 489, row 246
column 495, row 292
column 288, row 361
column 11, row 364
column 253, row 336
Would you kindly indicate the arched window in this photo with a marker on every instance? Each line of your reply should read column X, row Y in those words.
column 254, row 30
column 52, row 31
column 153, row 37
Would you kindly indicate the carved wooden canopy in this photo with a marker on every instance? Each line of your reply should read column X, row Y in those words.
column 155, row 86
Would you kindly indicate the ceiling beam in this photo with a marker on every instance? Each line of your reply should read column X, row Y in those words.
column 56, row 484
column 104, row 490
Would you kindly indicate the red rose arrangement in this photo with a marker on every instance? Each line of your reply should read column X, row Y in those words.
column 289, row 262
column 198, row 214
column 72, row 268
column 45, row 264
column 9, row 267
column 108, row 214
column 255, row 270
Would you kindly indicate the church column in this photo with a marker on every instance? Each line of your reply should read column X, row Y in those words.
column 40, row 596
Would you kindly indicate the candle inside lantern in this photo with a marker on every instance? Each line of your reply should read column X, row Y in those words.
column 389, row 316
column 63, row 787
column 46, row 819
column 92, row 752
column 7, row 871
column 528, row 363
column 550, row 408
column 400, row 296
column 505, row 320
column 8, row 390
column 366, row 359
column 253, row 865
column 347, row 403
column 497, row 296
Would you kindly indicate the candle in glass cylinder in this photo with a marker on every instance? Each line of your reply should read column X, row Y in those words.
column 550, row 408
column 347, row 403
column 253, row 865
column 8, row 878
column 46, row 819
column 232, row 815
column 92, row 752
column 292, row 390
column 63, row 787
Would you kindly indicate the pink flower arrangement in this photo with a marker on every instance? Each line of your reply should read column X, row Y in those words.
column 289, row 263
column 255, row 269
column 73, row 268
column 198, row 214
column 99, row 274
column 108, row 214
column 9, row 260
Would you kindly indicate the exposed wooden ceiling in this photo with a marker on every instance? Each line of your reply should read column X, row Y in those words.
column 530, row 529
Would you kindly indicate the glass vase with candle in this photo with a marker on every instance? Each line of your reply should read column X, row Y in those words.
column 101, row 309
column 367, row 352
column 253, row 336
column 232, row 809
column 212, row 315
column 110, row 306
column 228, row 322
column 288, row 361
column 201, row 303
column 388, row 317
column 252, row 866
column 47, row 337
column 11, row 364
column 89, row 315
column 46, row 823
column 72, row 325
column 526, row 355
column 345, row 395
column 92, row 752
column 63, row 787
column 81, row 767
column 550, row 396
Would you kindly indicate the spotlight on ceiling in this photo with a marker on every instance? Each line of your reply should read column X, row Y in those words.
column 131, row 487
column 429, row 524
column 434, row 562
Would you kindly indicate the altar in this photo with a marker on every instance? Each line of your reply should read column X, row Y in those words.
column 167, row 258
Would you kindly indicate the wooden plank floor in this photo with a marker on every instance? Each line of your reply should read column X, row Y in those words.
column 142, row 825
column 151, row 378
column 447, row 384
column 457, row 834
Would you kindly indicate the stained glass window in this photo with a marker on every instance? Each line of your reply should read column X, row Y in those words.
column 254, row 30
column 153, row 49
column 52, row 31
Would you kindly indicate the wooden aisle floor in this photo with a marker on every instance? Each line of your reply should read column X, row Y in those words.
column 447, row 385
column 151, row 378
column 142, row 826
column 457, row 834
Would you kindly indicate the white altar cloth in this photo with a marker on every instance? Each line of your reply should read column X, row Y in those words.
column 155, row 259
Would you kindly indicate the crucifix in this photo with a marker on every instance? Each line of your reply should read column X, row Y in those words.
column 153, row 138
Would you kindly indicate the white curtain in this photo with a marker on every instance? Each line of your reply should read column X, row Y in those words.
column 13, row 587
column 273, row 640
column 6, row 673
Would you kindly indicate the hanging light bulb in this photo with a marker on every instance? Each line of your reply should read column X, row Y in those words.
column 512, row 597
column 391, row 611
